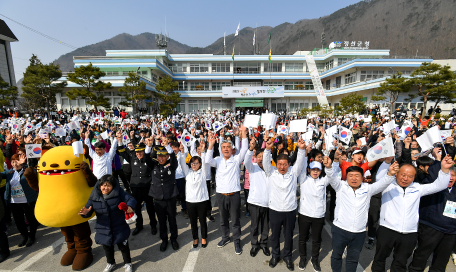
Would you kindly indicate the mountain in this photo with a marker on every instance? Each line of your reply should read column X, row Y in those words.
column 122, row 41
column 403, row 26
column 406, row 27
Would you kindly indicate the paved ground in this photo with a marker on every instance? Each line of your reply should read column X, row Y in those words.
column 46, row 253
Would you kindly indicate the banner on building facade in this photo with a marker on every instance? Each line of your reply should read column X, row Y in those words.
column 321, row 96
column 253, row 92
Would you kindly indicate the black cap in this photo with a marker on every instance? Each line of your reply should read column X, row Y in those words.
column 140, row 147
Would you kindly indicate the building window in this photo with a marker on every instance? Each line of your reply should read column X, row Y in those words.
column 294, row 67
column 178, row 67
column 314, row 105
column 182, row 86
column 181, row 107
column 320, row 67
column 219, row 105
column 406, row 72
column 296, row 107
column 199, row 67
column 272, row 67
column 272, row 83
column 199, row 86
column 217, row 86
column 247, row 68
column 309, row 85
column 369, row 75
column 220, row 67
column 195, row 105
column 328, row 84
column 154, row 77
column 329, row 64
column 293, row 85
column 350, row 78
column 341, row 61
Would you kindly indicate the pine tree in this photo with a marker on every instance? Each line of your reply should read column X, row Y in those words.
column 351, row 104
column 134, row 91
column 7, row 93
column 168, row 97
column 425, row 78
column 390, row 90
column 92, row 88
column 40, row 84
column 438, row 86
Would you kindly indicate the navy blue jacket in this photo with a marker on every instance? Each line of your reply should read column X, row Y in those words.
column 111, row 225
column 30, row 194
column 432, row 206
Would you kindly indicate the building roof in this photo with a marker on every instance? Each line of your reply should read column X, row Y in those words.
column 6, row 33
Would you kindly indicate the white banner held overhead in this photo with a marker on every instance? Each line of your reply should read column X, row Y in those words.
column 321, row 96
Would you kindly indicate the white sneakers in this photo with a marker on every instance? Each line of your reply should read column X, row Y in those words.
column 110, row 267
column 453, row 256
column 128, row 267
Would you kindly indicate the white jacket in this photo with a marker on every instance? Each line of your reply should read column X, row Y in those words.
column 313, row 195
column 282, row 188
column 195, row 182
column 352, row 206
column 194, row 153
column 400, row 207
column 259, row 188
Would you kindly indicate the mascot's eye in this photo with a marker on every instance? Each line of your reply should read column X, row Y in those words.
column 44, row 164
column 67, row 162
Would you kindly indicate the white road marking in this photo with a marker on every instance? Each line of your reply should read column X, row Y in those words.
column 42, row 253
column 192, row 258
column 39, row 255
column 327, row 227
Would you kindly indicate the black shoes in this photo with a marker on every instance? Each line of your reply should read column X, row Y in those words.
column 266, row 251
column 223, row 243
column 23, row 242
column 237, row 248
column 302, row 264
column 195, row 245
column 290, row 264
column 254, row 251
column 163, row 245
column 204, row 245
column 370, row 244
column 4, row 256
column 175, row 244
column 30, row 242
column 273, row 262
column 316, row 265
column 136, row 231
column 153, row 231
column 211, row 218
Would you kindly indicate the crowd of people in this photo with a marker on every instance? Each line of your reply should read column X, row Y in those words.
column 396, row 201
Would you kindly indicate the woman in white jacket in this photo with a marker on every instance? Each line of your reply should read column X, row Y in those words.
column 312, row 209
column 196, row 194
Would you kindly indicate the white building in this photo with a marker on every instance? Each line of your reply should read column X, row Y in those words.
column 206, row 81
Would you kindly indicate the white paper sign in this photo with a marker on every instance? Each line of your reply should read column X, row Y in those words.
column 104, row 135
column 298, row 125
column 251, row 121
column 268, row 120
column 77, row 148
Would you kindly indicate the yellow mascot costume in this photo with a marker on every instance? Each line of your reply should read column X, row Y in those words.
column 65, row 182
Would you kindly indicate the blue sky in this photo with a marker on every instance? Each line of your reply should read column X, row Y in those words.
column 195, row 23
